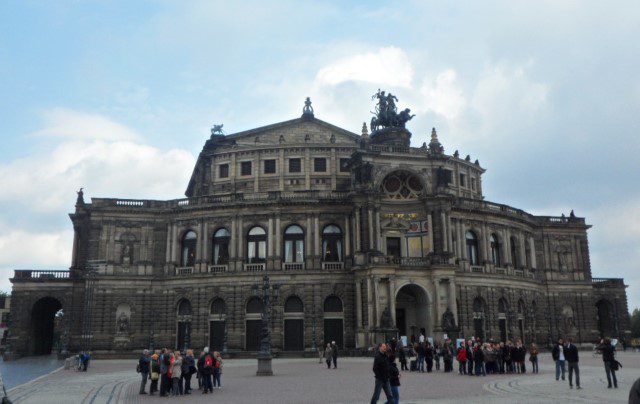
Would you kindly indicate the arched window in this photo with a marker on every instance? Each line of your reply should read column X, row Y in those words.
column 332, row 244
column 495, row 250
column 184, row 307
column 256, row 245
column 218, row 307
column 514, row 252
column 294, row 244
column 189, row 241
column 293, row 305
column 220, row 251
column 472, row 248
column 333, row 304
column 254, row 306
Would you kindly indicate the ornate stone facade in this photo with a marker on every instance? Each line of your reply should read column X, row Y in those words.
column 362, row 233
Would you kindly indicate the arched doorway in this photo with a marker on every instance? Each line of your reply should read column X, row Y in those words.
column 412, row 311
column 183, row 341
column 479, row 315
column 43, row 330
column 333, row 321
column 293, row 324
column 605, row 318
column 253, row 324
column 217, row 324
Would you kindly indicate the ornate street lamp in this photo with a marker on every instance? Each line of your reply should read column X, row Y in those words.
column 548, row 318
column 225, row 338
column 264, row 356
column 314, row 345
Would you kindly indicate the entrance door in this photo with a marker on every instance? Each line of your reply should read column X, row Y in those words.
column 478, row 326
column 401, row 321
column 393, row 247
column 333, row 331
column 216, row 335
column 183, row 334
column 294, row 335
column 252, row 339
column 502, row 323
column 43, row 335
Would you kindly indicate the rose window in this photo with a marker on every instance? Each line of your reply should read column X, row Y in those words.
column 402, row 185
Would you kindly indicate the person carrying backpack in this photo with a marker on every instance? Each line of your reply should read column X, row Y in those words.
column 207, row 371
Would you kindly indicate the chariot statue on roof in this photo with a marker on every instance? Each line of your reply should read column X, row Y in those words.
column 386, row 113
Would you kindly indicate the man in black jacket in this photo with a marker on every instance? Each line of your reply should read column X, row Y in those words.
column 381, row 372
column 609, row 359
column 571, row 355
column 143, row 366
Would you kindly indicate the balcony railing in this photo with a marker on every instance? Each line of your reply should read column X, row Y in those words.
column 332, row 266
column 254, row 267
column 486, row 206
column 217, row 269
column 40, row 274
column 184, row 270
column 293, row 266
column 608, row 282
column 477, row 269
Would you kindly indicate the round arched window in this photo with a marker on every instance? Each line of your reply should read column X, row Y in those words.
column 402, row 185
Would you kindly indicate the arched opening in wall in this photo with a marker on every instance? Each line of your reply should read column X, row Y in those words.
column 495, row 250
column 503, row 310
column 332, row 243
column 606, row 326
column 217, row 324
column 293, row 324
column 294, row 244
column 44, row 333
column 220, row 250
column 402, row 185
column 521, row 325
column 472, row 248
column 479, row 317
column 256, row 245
column 412, row 311
column 183, row 340
column 253, row 324
column 333, row 321
column 189, row 242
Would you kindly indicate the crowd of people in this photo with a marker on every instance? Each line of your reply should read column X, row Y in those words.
column 173, row 370
column 479, row 358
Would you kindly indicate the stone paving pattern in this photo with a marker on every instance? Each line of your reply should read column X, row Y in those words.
column 306, row 381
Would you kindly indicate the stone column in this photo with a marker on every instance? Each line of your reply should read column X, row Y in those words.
column 486, row 244
column 200, row 238
column 316, row 237
column 430, row 225
column 532, row 247
column 240, row 241
column 270, row 238
column 174, row 244
column 358, row 246
column 205, row 245
column 358, row 305
column 462, row 239
column 169, row 235
column 445, row 239
column 506, row 248
column 277, row 248
column 450, row 235
column 453, row 303
column 370, row 320
column 308, row 243
column 232, row 241
column 281, row 170
column 392, row 298
column 370, row 217
column 347, row 237
column 378, row 231
column 376, row 298
column 438, row 314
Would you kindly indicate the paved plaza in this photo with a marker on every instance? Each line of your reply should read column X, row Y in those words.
column 306, row 381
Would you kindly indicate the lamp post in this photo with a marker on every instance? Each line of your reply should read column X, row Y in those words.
column 264, row 356
column 225, row 338
column 548, row 318
column 314, row 345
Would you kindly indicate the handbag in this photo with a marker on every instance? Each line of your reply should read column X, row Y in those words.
column 615, row 365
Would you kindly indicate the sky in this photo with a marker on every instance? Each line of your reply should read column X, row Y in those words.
column 118, row 97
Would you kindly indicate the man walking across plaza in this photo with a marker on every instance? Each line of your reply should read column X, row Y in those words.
column 334, row 354
column 571, row 354
column 143, row 367
column 381, row 372
column 558, row 356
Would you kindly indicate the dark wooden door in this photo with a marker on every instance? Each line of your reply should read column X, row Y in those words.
column 216, row 335
column 252, row 338
column 401, row 321
column 333, row 331
column 294, row 335
column 184, row 328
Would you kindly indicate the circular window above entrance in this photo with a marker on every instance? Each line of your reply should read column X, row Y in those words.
column 402, row 185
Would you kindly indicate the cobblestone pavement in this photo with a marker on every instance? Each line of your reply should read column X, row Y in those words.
column 306, row 381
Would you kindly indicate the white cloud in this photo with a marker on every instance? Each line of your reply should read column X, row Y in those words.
column 67, row 123
column 389, row 66
column 106, row 166
column 443, row 95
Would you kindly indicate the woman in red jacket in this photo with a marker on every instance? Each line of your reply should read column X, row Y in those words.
column 462, row 360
